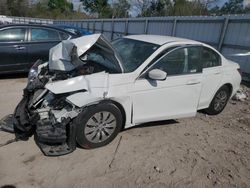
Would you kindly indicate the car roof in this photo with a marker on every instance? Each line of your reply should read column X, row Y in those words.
column 83, row 31
column 160, row 39
column 37, row 25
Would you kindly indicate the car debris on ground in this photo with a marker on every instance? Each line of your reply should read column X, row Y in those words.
column 241, row 94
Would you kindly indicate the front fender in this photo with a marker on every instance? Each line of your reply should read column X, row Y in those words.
column 69, row 85
column 83, row 98
column 89, row 83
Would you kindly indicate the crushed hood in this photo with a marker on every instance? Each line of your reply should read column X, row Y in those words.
column 60, row 55
column 88, row 83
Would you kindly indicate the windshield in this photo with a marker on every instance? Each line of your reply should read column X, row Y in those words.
column 133, row 52
column 103, row 57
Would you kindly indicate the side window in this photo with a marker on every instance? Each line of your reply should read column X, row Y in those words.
column 64, row 36
column 194, row 60
column 210, row 58
column 12, row 35
column 41, row 34
column 161, row 54
column 181, row 61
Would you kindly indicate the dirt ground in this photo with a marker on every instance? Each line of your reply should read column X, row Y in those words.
column 204, row 151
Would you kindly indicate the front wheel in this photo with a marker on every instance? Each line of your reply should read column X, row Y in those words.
column 98, row 125
column 219, row 101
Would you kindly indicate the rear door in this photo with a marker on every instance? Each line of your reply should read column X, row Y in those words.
column 212, row 75
column 13, row 50
column 41, row 39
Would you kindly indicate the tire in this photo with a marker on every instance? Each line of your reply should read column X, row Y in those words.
column 219, row 101
column 98, row 125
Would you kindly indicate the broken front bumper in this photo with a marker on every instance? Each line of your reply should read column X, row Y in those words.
column 53, row 138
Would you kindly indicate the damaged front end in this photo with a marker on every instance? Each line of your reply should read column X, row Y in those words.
column 48, row 116
column 48, row 107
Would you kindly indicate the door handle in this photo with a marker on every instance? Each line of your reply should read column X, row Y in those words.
column 192, row 82
column 17, row 47
column 216, row 73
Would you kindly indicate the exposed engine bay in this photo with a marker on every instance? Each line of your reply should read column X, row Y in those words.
column 50, row 115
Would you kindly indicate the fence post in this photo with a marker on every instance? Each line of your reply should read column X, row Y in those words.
column 112, row 29
column 126, row 27
column 223, row 33
column 102, row 26
column 146, row 26
column 93, row 26
column 88, row 26
column 174, row 26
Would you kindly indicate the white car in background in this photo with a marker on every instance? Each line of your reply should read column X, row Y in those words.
column 91, row 89
column 5, row 20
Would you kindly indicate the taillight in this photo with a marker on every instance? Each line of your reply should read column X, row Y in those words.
column 239, row 71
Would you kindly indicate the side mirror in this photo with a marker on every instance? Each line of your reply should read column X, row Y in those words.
column 157, row 74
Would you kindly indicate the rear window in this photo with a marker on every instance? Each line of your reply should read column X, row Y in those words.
column 210, row 58
column 42, row 34
column 12, row 35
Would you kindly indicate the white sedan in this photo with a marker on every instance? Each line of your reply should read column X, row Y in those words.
column 90, row 89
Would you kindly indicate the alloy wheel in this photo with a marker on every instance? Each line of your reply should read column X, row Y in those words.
column 100, row 127
column 220, row 100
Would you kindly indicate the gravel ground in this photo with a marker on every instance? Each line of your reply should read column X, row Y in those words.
column 204, row 151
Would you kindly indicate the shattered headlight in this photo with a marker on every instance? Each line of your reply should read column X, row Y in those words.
column 34, row 71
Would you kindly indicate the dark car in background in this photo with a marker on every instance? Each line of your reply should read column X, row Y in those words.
column 23, row 44
column 74, row 30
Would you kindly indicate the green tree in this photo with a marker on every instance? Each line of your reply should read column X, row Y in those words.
column 120, row 9
column 215, row 11
column 247, row 10
column 232, row 7
column 52, row 9
column 17, row 7
column 188, row 8
column 141, row 6
column 174, row 8
column 99, row 7
column 158, row 8
column 3, row 7
column 61, row 5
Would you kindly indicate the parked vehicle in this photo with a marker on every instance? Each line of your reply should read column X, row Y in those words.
column 74, row 30
column 90, row 89
column 5, row 20
column 22, row 44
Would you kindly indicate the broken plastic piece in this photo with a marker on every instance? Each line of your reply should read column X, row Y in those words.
column 6, row 124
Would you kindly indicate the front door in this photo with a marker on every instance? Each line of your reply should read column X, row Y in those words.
column 13, row 50
column 175, row 97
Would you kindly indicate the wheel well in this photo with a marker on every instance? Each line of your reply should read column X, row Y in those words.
column 230, row 87
column 121, row 109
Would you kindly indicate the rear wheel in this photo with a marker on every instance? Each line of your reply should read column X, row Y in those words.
column 98, row 125
column 219, row 101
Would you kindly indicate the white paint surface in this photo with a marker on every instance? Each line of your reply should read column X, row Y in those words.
column 146, row 100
